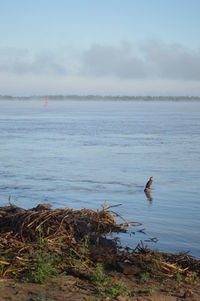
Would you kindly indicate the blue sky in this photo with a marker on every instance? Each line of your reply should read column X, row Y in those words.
column 128, row 47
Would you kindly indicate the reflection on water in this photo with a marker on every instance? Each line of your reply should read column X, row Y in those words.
column 149, row 196
column 80, row 154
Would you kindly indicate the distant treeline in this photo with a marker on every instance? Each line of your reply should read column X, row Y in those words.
column 102, row 98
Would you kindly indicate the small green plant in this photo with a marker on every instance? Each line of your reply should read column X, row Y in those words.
column 178, row 277
column 43, row 263
column 78, row 258
column 16, row 285
column 43, row 269
column 98, row 276
column 41, row 296
column 151, row 290
column 192, row 278
column 106, row 287
column 83, row 250
column 86, row 244
column 144, row 277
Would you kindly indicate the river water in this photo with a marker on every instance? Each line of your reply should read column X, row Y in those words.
column 83, row 153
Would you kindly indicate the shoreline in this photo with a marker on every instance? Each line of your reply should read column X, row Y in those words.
column 105, row 98
column 68, row 249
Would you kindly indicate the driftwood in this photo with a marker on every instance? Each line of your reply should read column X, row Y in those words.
column 65, row 229
column 68, row 223
column 20, row 231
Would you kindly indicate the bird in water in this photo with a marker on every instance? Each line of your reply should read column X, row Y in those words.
column 148, row 185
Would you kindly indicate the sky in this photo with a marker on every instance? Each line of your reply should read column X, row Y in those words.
column 105, row 47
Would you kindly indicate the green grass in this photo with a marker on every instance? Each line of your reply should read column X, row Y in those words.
column 79, row 258
column 106, row 286
column 45, row 265
column 192, row 278
column 178, row 278
column 144, row 277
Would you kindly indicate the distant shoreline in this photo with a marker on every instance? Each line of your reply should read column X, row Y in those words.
column 101, row 98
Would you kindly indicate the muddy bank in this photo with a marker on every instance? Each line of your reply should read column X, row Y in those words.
column 64, row 254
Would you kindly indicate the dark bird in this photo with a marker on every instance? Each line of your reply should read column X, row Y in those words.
column 148, row 185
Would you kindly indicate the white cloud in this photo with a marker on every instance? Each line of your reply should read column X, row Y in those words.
column 21, row 61
column 149, row 68
column 113, row 61
column 171, row 61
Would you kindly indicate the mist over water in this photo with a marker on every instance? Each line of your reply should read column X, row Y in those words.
column 80, row 154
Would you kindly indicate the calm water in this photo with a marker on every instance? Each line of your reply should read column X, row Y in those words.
column 80, row 154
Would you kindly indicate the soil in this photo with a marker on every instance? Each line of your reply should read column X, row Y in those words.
column 72, row 288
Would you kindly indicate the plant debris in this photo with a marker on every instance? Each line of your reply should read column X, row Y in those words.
column 79, row 239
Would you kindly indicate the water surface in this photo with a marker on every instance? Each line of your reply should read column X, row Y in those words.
column 80, row 154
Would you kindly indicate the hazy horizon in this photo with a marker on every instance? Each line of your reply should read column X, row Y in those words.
column 99, row 96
